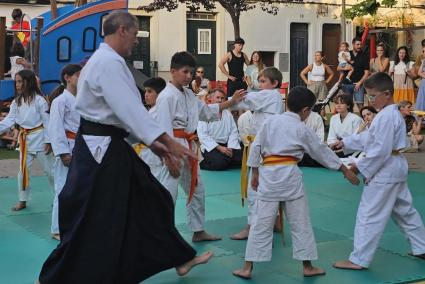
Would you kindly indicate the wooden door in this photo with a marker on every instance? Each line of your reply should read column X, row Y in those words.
column 331, row 37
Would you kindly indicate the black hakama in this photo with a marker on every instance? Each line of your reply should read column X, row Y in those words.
column 116, row 220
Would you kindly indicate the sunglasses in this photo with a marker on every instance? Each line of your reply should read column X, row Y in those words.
column 372, row 98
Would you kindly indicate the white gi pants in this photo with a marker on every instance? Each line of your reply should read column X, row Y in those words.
column 379, row 202
column 260, row 239
column 195, row 210
column 46, row 163
column 60, row 173
column 252, row 196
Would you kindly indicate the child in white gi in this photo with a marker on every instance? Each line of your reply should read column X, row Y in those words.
column 63, row 127
column 277, row 179
column 263, row 104
column 384, row 170
column 29, row 111
column 153, row 87
column 178, row 111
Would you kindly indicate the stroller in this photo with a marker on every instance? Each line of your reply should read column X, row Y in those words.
column 319, row 106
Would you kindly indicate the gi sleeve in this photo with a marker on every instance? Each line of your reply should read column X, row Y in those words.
column 355, row 142
column 252, row 101
column 207, row 142
column 43, row 108
column 57, row 130
column 233, row 141
column 379, row 147
column 126, row 104
column 318, row 151
column 210, row 112
column 165, row 111
column 332, row 133
column 254, row 157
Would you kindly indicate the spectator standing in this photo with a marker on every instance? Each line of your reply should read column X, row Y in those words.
column 361, row 72
column 18, row 24
column 420, row 99
column 235, row 60
column 402, row 72
column 380, row 63
column 251, row 73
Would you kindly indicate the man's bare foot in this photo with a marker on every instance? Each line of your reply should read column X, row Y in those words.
column 421, row 256
column 201, row 259
column 242, row 235
column 245, row 272
column 309, row 270
column 346, row 264
column 56, row 237
column 21, row 205
column 203, row 236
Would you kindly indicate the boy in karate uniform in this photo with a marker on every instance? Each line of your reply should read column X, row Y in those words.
column 178, row 112
column 384, row 170
column 263, row 104
column 219, row 139
column 277, row 179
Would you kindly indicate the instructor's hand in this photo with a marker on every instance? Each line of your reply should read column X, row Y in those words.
column 350, row 175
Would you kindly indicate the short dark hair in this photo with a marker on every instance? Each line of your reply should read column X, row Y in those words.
column 345, row 98
column 299, row 98
column 239, row 40
column 273, row 74
column 380, row 81
column 423, row 42
column 356, row 39
column 17, row 14
column 369, row 108
column 182, row 59
column 157, row 84
column 217, row 90
column 397, row 58
column 116, row 19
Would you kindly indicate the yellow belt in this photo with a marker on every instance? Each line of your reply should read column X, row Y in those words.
column 139, row 147
column 275, row 160
column 244, row 168
column 22, row 138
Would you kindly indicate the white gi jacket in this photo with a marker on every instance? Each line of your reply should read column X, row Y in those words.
column 263, row 104
column 30, row 116
column 338, row 129
column 386, row 134
column 315, row 122
column 284, row 182
column 223, row 131
column 107, row 94
column 63, row 117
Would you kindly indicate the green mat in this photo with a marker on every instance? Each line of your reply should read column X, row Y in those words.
column 25, row 239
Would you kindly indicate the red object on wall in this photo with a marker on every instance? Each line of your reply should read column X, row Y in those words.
column 372, row 46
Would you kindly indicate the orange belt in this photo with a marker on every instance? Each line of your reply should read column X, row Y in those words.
column 189, row 137
column 70, row 134
column 22, row 138
column 275, row 160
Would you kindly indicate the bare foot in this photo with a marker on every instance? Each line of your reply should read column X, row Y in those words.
column 278, row 228
column 203, row 236
column 201, row 259
column 346, row 264
column 313, row 271
column 245, row 272
column 56, row 237
column 242, row 235
column 21, row 205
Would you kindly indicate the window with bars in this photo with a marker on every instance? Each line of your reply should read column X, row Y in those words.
column 204, row 41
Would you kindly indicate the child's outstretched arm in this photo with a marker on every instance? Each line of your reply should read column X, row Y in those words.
column 254, row 179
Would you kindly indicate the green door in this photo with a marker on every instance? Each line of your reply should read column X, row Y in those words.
column 201, row 42
column 140, row 56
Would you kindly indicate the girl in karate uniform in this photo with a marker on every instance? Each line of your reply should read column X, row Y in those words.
column 63, row 127
column 29, row 111
column 344, row 123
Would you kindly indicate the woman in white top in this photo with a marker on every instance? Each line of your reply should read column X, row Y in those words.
column 17, row 60
column 29, row 111
column 403, row 73
column 251, row 73
column 320, row 75
column 345, row 122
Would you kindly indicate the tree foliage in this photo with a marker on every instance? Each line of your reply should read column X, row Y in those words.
column 368, row 7
column 233, row 7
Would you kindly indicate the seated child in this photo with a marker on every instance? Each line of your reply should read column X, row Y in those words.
column 345, row 122
column 413, row 127
column 278, row 181
column 344, row 61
